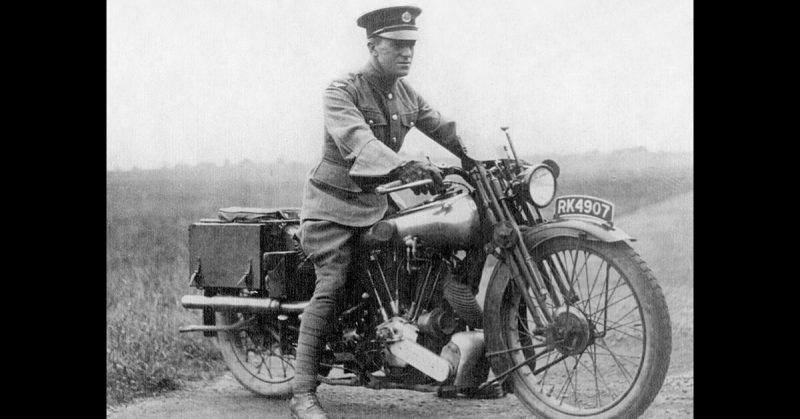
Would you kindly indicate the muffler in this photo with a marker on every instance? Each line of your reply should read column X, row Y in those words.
column 242, row 304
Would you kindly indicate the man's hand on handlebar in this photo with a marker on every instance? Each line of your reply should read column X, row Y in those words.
column 417, row 170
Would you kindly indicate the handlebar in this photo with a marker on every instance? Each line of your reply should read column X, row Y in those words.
column 398, row 185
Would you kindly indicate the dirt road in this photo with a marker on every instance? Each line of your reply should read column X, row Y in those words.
column 665, row 241
column 224, row 398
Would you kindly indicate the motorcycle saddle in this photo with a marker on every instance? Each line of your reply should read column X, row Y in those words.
column 256, row 215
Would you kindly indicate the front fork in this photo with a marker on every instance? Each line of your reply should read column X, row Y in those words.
column 508, row 242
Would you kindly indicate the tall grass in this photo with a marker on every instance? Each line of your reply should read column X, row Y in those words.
column 148, row 214
column 147, row 270
column 146, row 261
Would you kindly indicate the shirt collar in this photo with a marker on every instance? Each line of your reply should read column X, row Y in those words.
column 377, row 78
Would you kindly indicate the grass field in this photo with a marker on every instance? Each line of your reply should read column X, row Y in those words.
column 148, row 214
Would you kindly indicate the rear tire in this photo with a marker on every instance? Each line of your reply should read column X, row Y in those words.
column 255, row 356
column 610, row 356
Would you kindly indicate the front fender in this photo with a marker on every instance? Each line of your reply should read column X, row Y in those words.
column 536, row 235
column 573, row 227
column 565, row 227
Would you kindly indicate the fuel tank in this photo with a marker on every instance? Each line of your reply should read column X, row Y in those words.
column 449, row 221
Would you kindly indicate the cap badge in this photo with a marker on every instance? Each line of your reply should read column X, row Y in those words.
column 406, row 17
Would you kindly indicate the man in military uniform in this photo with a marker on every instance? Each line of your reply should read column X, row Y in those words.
column 367, row 114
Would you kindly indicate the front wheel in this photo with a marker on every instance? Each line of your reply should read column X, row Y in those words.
column 606, row 351
column 258, row 353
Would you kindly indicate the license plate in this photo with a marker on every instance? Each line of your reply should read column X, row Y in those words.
column 586, row 206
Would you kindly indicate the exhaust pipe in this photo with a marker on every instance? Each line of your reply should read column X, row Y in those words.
column 243, row 304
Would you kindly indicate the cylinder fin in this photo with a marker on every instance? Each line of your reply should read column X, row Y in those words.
column 463, row 302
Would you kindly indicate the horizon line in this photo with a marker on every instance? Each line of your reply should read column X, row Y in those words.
column 229, row 162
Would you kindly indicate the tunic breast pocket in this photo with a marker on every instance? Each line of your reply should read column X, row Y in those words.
column 408, row 120
column 377, row 122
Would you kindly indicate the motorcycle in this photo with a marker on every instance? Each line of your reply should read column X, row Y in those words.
column 573, row 322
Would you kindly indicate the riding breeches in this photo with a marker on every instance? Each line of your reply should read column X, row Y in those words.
column 331, row 247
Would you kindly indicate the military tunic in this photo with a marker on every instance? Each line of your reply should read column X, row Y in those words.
column 366, row 120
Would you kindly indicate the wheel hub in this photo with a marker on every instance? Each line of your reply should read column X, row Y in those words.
column 571, row 331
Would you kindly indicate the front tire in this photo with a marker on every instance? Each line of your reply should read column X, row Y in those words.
column 607, row 351
column 257, row 354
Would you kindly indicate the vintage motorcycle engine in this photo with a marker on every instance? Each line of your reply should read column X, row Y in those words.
column 417, row 291
column 423, row 300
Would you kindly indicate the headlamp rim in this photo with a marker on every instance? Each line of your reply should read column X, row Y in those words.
column 527, row 183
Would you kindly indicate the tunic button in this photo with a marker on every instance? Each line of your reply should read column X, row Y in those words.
column 394, row 117
column 412, row 123
column 394, row 139
column 390, row 95
column 370, row 122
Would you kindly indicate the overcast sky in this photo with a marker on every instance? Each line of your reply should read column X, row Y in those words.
column 192, row 81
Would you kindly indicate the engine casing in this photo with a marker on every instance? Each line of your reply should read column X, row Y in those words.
column 465, row 353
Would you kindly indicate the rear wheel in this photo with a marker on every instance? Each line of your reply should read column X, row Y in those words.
column 257, row 355
column 607, row 350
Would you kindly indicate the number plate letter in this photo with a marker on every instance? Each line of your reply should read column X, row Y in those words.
column 561, row 205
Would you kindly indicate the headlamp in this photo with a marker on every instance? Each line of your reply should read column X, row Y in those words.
column 541, row 182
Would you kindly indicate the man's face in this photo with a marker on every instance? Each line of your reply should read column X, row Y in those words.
column 393, row 55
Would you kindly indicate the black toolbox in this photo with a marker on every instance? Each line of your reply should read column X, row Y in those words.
column 251, row 249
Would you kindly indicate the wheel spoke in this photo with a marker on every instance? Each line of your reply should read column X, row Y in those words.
column 612, row 292
column 564, row 274
column 588, row 306
column 558, row 279
column 639, row 338
column 547, row 366
column 284, row 362
column 565, row 385
column 573, row 372
column 283, row 365
column 622, row 356
column 574, row 266
column 617, row 326
column 614, row 357
column 616, row 323
column 611, row 296
column 598, row 374
column 592, row 315
column 269, row 367
column 586, row 260
column 544, row 377
column 578, row 274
